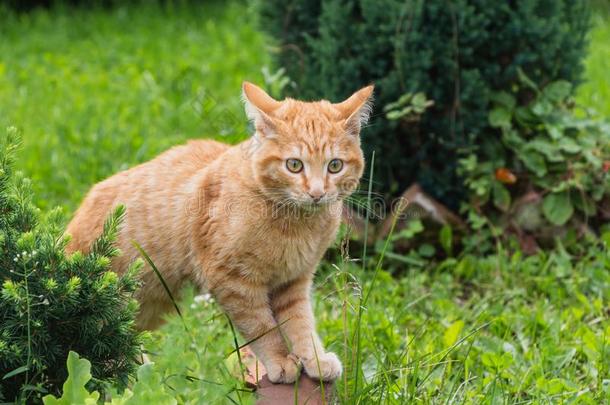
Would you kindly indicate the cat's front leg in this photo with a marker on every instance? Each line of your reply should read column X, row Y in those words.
column 247, row 305
column 292, row 308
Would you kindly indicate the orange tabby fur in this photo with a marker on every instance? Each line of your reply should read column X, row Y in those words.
column 236, row 222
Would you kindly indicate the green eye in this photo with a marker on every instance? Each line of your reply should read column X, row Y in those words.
column 335, row 165
column 294, row 165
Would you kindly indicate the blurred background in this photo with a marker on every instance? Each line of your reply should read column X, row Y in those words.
column 491, row 119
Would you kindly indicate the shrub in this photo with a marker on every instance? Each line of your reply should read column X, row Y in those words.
column 51, row 304
column 457, row 53
column 550, row 167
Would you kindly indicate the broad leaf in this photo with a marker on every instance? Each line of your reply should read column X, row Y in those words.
column 74, row 392
column 583, row 203
column 569, row 145
column 504, row 99
column 150, row 388
column 542, row 108
column 550, row 150
column 452, row 333
column 446, row 239
column 500, row 117
column 426, row 250
column 557, row 208
column 557, row 91
column 534, row 162
column 501, row 196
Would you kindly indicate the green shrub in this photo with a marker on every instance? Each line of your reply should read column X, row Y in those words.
column 457, row 53
column 550, row 167
column 51, row 304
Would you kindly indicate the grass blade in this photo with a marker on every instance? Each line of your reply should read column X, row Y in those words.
column 159, row 276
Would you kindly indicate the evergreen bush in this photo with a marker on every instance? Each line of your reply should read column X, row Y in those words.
column 50, row 303
column 458, row 53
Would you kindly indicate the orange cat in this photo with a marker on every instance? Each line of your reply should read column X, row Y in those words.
column 249, row 222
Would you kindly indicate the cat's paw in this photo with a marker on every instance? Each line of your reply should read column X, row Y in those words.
column 283, row 371
column 326, row 367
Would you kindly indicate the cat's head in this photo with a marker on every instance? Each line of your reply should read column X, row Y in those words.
column 307, row 153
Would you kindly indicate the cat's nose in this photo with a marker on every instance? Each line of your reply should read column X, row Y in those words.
column 316, row 196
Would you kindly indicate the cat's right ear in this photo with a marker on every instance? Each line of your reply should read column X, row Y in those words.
column 260, row 107
column 355, row 111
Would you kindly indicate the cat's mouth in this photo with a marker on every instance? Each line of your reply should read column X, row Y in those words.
column 291, row 204
column 295, row 204
column 316, row 205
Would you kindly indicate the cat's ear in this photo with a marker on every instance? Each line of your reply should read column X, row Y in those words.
column 356, row 110
column 260, row 107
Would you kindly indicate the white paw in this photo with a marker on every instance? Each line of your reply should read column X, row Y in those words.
column 283, row 371
column 326, row 367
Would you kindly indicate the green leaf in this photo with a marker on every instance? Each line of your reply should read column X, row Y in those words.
column 404, row 99
column 452, row 333
column 123, row 399
column 552, row 386
column 150, row 388
column 542, row 108
column 394, row 115
column 526, row 80
column 569, row 145
column 466, row 266
column 557, row 91
column 525, row 116
column 606, row 240
column 500, row 117
column 407, row 259
column 446, row 239
column 554, row 131
column 426, row 250
column 412, row 228
column 513, row 139
column 419, row 99
column 583, row 203
column 501, row 196
column 550, row 150
column 74, row 392
column 534, row 162
column 504, row 99
column 16, row 371
column 557, row 208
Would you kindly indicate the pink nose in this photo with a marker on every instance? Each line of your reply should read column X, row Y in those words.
column 316, row 195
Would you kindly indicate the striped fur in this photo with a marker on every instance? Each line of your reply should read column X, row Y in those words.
column 236, row 222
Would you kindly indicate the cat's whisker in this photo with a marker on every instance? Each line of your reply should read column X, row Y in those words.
column 370, row 209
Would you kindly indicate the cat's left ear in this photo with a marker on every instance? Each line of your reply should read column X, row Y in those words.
column 356, row 110
column 260, row 107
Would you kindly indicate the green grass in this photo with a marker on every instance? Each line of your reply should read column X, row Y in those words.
column 490, row 330
column 98, row 91
column 595, row 91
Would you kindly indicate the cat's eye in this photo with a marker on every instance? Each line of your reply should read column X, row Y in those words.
column 294, row 165
column 335, row 165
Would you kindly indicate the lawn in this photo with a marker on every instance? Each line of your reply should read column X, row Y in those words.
column 595, row 92
column 98, row 91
